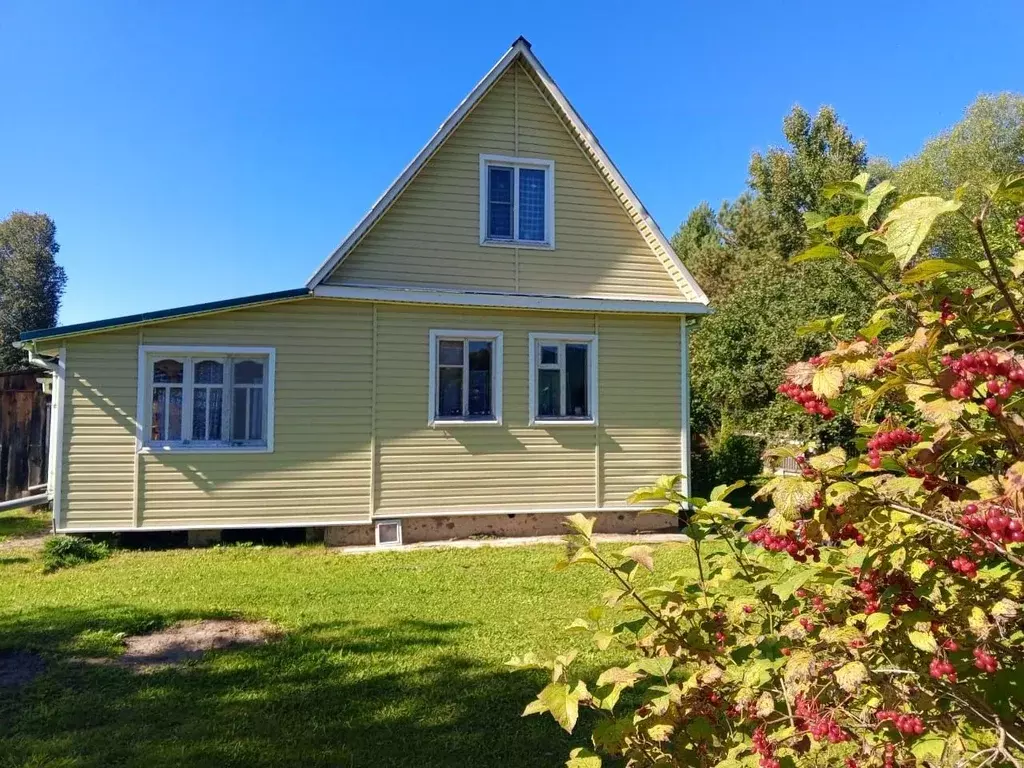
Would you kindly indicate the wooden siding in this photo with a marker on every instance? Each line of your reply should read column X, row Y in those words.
column 341, row 445
column 430, row 236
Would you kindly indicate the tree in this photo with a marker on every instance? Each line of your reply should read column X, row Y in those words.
column 874, row 618
column 31, row 281
column 739, row 256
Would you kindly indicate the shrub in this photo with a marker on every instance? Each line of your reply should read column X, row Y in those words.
column 873, row 618
column 725, row 455
column 69, row 551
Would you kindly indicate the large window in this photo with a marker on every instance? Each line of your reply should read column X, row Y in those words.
column 563, row 379
column 218, row 398
column 517, row 201
column 465, row 377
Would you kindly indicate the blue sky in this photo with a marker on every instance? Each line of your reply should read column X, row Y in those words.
column 195, row 150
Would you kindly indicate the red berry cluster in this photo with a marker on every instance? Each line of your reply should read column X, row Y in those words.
column 912, row 725
column 942, row 668
column 948, row 315
column 985, row 661
column 765, row 749
column 994, row 524
column 849, row 532
column 964, row 566
column 889, row 440
column 890, row 756
column 1020, row 228
column 1001, row 373
column 821, row 726
column 793, row 543
column 804, row 396
column 872, row 585
column 885, row 363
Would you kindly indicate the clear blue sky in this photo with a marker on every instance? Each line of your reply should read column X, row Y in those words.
column 195, row 150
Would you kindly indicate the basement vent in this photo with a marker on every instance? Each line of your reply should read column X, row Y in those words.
column 389, row 533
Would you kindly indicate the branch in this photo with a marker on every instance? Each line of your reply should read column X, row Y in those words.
column 979, row 227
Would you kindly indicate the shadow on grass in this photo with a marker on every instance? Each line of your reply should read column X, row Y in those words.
column 341, row 694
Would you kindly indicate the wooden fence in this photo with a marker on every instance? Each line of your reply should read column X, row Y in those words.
column 24, row 432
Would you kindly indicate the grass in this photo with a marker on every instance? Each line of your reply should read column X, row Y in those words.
column 388, row 659
column 16, row 523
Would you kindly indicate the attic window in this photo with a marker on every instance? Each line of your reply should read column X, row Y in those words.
column 517, row 205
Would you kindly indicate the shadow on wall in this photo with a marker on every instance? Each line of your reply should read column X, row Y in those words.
column 339, row 694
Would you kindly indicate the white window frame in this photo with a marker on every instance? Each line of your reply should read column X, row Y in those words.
column 438, row 335
column 376, row 533
column 149, row 353
column 517, row 163
column 561, row 339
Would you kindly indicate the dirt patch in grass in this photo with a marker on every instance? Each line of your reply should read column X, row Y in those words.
column 189, row 640
column 18, row 668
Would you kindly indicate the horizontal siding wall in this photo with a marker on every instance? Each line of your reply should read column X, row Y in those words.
column 99, row 431
column 514, row 466
column 320, row 470
column 430, row 236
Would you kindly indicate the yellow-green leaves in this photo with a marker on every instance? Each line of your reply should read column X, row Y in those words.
column 832, row 459
column 789, row 494
column 561, row 702
column 815, row 253
column 799, row 666
column 851, row 675
column 907, row 226
column 932, row 268
column 875, row 197
column 876, row 622
column 641, row 555
column 581, row 524
column 582, row 758
column 924, row 641
column 827, row 382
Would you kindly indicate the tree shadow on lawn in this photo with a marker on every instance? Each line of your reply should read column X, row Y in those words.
column 344, row 694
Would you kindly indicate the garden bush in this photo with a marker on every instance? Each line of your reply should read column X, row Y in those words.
column 69, row 551
column 873, row 618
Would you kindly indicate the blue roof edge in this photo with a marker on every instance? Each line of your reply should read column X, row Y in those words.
column 164, row 314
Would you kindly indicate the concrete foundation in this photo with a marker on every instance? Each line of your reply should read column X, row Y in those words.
column 447, row 527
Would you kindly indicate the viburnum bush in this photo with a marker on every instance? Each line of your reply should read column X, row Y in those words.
column 873, row 618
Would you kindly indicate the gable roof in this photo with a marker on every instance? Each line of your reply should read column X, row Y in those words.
column 521, row 50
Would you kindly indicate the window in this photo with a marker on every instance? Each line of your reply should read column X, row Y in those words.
column 517, row 201
column 388, row 533
column 465, row 377
column 195, row 398
column 563, row 379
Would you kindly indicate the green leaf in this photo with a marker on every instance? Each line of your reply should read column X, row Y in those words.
column 582, row 758
column 562, row 703
column 699, row 728
column 833, row 459
column 837, row 224
column 924, row 641
column 1011, row 189
column 851, row 189
column 617, row 676
column 907, row 226
column 932, row 268
column 816, row 252
column 875, row 197
column 719, row 492
column 851, row 675
column 813, row 219
column 929, row 748
column 602, row 639
column 793, row 581
column 790, row 494
column 876, row 622
column 640, row 554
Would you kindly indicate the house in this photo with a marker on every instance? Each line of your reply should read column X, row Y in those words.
column 501, row 341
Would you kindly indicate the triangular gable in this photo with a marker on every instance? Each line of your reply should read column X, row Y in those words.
column 521, row 52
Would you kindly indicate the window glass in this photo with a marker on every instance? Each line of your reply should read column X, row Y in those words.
column 531, row 204
column 248, row 372
column 255, row 414
column 479, row 398
column 387, row 533
column 209, row 372
column 549, row 392
column 239, row 413
column 158, row 427
column 174, row 409
column 499, row 203
column 576, row 380
column 168, row 372
column 549, row 355
column 449, row 392
column 450, row 352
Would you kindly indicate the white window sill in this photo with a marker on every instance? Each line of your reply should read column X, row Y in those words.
column 563, row 422
column 162, row 449
column 445, row 423
column 529, row 244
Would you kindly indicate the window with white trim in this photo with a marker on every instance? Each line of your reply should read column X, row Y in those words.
column 465, row 377
column 517, row 201
column 563, row 378
column 196, row 399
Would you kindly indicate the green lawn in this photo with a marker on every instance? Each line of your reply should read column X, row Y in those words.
column 389, row 659
column 24, row 522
